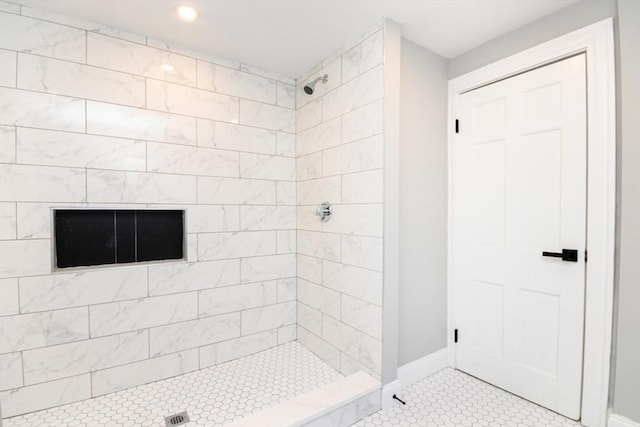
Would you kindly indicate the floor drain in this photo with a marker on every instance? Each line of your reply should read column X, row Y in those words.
column 177, row 419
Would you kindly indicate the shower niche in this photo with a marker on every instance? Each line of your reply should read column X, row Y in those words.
column 92, row 237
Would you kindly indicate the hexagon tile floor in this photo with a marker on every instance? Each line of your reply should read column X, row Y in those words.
column 213, row 396
column 452, row 398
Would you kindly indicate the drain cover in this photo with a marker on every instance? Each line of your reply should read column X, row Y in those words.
column 177, row 419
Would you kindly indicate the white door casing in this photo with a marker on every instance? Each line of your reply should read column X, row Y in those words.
column 519, row 188
column 597, row 41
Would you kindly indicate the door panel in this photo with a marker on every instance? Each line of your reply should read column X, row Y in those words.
column 519, row 188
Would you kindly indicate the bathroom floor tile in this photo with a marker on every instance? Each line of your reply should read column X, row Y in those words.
column 452, row 398
column 213, row 396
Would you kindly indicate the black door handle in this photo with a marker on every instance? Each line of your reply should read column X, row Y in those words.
column 570, row 255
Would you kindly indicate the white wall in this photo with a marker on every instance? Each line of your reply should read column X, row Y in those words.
column 423, row 203
column 88, row 118
column 626, row 393
column 340, row 147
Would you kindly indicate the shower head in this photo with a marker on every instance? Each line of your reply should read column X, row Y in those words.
column 310, row 87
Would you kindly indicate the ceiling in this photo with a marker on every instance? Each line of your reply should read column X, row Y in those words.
column 290, row 36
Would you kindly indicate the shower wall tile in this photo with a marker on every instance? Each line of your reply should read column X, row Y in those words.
column 237, row 83
column 310, row 268
column 354, row 281
column 267, row 268
column 286, row 95
column 49, row 75
column 267, row 167
column 239, row 347
column 229, row 191
column 9, row 298
column 286, row 193
column 26, row 331
column 287, row 334
column 363, row 122
column 41, row 110
column 136, row 123
column 89, row 119
column 195, row 333
column 366, row 88
column 361, row 219
column 320, row 298
column 286, row 145
column 7, row 144
column 8, row 60
column 117, row 54
column 362, row 251
column 308, row 116
column 45, row 395
column 11, row 374
column 66, row 360
column 34, row 219
column 213, row 246
column 104, row 186
column 366, row 154
column 320, row 137
column 230, row 136
column 33, row 183
column 362, row 315
column 54, row 148
column 23, row 34
column 316, row 191
column 178, row 99
column 25, row 257
column 212, row 218
column 267, row 116
column 362, row 57
column 363, row 187
column 236, row 298
column 286, row 241
column 287, row 289
column 268, row 317
column 180, row 159
column 143, row 372
column 56, row 291
column 184, row 277
column 340, row 154
column 7, row 221
column 113, row 318
column 267, row 218
column 309, row 318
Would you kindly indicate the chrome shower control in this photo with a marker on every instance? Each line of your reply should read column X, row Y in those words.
column 324, row 211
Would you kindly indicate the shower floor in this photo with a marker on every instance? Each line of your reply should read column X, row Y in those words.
column 213, row 396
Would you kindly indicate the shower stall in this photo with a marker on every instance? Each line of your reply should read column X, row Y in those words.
column 191, row 240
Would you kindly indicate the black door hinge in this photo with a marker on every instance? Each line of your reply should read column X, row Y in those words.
column 585, row 256
column 457, row 126
column 455, row 335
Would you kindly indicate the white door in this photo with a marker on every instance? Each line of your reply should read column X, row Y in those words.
column 519, row 188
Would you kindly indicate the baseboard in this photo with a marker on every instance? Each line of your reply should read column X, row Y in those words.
column 386, row 396
column 423, row 367
column 620, row 421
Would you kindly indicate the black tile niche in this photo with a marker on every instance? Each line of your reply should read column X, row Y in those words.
column 85, row 237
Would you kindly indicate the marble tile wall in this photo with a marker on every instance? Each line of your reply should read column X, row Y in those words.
column 88, row 118
column 339, row 148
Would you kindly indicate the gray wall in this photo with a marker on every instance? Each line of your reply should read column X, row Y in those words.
column 423, row 203
column 562, row 22
column 626, row 392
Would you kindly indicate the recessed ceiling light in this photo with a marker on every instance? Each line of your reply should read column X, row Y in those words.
column 187, row 13
column 167, row 67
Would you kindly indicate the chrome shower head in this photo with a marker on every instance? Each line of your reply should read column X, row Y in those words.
column 310, row 87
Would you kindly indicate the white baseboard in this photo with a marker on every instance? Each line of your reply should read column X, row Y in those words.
column 386, row 396
column 620, row 421
column 423, row 367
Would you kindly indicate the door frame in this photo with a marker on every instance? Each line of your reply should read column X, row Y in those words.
column 597, row 40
